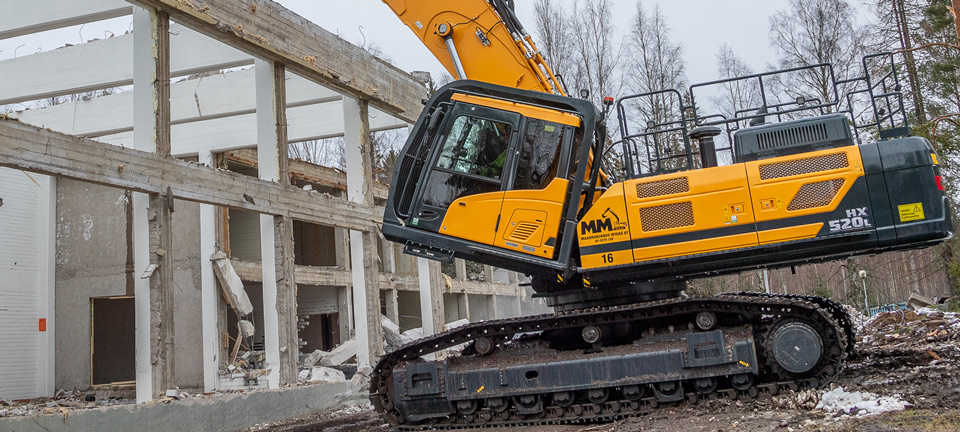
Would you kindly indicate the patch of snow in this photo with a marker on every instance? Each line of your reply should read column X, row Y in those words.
column 859, row 403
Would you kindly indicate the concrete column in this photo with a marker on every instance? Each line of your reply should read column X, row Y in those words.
column 344, row 294
column 426, row 298
column 209, row 296
column 431, row 296
column 363, row 246
column 494, row 312
column 463, row 303
column 488, row 274
column 389, row 259
column 47, row 370
column 276, row 233
column 461, row 269
column 152, row 215
column 393, row 312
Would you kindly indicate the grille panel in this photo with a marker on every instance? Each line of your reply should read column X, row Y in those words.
column 666, row 216
column 792, row 137
column 804, row 166
column 524, row 231
column 663, row 187
column 817, row 194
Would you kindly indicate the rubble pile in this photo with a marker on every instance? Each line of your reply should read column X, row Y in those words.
column 907, row 329
column 61, row 403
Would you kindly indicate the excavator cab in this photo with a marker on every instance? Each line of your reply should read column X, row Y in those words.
column 493, row 172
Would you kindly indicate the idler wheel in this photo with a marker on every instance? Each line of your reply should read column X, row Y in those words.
column 598, row 396
column 563, row 399
column 796, row 346
column 498, row 404
column 467, row 407
column 484, row 345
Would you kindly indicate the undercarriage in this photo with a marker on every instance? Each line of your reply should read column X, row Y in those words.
column 596, row 365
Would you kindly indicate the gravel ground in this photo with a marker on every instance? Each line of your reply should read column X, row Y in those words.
column 914, row 357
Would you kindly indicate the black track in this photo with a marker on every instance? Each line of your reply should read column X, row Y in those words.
column 762, row 311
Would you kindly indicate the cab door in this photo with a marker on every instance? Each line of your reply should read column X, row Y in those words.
column 462, row 194
column 534, row 200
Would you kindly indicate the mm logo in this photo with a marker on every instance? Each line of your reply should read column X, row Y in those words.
column 609, row 222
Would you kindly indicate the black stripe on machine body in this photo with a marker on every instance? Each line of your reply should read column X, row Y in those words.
column 668, row 239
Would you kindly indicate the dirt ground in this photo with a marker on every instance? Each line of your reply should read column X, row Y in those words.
column 913, row 357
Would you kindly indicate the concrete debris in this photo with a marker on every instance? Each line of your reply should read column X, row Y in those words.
column 63, row 401
column 362, row 376
column 174, row 394
column 909, row 329
column 321, row 375
column 247, row 329
column 917, row 301
column 391, row 334
column 312, row 359
column 859, row 403
column 455, row 324
column 232, row 286
column 338, row 356
column 412, row 335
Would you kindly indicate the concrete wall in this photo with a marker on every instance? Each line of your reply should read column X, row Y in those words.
column 92, row 257
column 236, row 411
column 94, row 260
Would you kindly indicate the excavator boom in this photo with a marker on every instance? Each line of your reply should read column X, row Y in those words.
column 479, row 40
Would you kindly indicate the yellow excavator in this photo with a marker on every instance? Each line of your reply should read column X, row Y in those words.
column 504, row 168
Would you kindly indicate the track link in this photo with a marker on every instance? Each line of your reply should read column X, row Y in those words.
column 828, row 318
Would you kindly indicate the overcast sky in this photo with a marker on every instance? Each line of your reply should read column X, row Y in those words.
column 701, row 26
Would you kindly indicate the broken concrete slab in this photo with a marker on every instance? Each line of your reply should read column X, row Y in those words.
column 391, row 333
column 455, row 324
column 231, row 284
column 247, row 328
column 321, row 375
column 340, row 354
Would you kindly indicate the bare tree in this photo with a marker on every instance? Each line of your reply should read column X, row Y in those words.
column 811, row 32
column 553, row 27
column 655, row 63
column 595, row 60
column 735, row 95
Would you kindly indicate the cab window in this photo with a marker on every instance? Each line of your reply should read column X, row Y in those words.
column 539, row 154
column 476, row 146
column 471, row 160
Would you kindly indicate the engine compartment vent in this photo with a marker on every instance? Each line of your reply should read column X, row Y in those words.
column 792, row 137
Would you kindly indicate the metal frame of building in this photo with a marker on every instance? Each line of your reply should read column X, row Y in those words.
column 306, row 85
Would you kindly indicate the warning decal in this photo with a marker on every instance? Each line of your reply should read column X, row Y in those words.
column 911, row 212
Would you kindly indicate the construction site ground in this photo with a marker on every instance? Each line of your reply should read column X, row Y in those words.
column 903, row 356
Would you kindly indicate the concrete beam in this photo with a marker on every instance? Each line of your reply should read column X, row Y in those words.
column 196, row 99
column 267, row 30
column 33, row 149
column 231, row 133
column 106, row 63
column 36, row 16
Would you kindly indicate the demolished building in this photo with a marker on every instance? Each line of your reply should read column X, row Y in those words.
column 120, row 210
